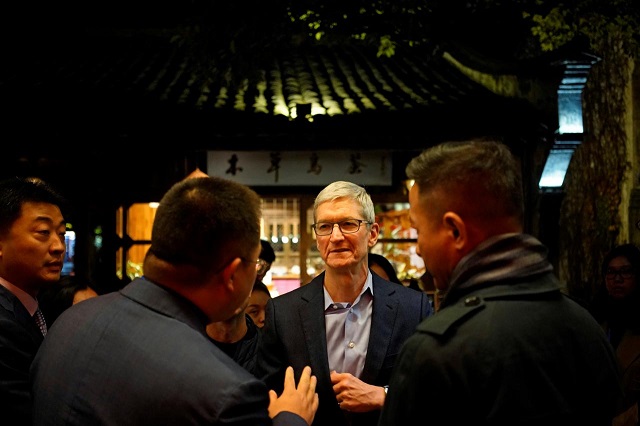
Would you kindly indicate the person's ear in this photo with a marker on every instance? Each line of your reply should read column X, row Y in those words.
column 456, row 228
column 229, row 272
column 374, row 233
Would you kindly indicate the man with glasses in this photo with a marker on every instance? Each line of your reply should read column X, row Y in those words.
column 616, row 306
column 141, row 355
column 347, row 323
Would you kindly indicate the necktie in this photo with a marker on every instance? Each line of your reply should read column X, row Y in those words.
column 40, row 321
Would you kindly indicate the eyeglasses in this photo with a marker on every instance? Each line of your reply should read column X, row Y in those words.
column 624, row 273
column 348, row 226
column 261, row 264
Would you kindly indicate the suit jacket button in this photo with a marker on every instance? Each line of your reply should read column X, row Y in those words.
column 472, row 301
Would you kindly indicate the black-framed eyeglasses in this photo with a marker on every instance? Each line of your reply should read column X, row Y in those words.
column 625, row 273
column 348, row 226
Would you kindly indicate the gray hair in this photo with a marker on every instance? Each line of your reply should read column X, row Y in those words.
column 349, row 190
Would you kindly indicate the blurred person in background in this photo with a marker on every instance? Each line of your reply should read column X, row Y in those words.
column 256, row 308
column 239, row 335
column 268, row 256
column 383, row 267
column 260, row 294
column 617, row 309
column 68, row 291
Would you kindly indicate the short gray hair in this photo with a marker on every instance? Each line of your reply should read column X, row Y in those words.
column 348, row 190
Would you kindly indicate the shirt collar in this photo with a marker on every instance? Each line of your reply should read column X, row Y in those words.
column 25, row 298
column 368, row 285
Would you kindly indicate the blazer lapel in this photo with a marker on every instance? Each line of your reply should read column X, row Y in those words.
column 11, row 303
column 385, row 308
column 312, row 317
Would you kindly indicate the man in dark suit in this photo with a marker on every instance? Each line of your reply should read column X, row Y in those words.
column 32, row 248
column 347, row 323
column 141, row 356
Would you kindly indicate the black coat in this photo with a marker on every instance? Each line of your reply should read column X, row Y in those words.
column 518, row 353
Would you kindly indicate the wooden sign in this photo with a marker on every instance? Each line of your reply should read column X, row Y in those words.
column 301, row 168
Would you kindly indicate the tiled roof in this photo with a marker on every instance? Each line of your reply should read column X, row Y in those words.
column 139, row 84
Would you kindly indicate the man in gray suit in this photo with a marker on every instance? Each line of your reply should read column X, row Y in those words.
column 347, row 323
column 141, row 356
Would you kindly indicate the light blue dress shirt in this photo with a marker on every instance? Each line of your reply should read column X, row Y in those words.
column 348, row 327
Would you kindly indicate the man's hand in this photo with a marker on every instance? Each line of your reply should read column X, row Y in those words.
column 355, row 395
column 301, row 400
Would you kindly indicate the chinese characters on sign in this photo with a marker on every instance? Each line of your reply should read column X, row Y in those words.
column 301, row 168
column 233, row 168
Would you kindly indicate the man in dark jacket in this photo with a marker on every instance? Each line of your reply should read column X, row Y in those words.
column 347, row 324
column 238, row 337
column 506, row 347
column 32, row 247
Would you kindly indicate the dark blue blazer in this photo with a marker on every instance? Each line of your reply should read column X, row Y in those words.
column 294, row 334
column 20, row 339
column 141, row 356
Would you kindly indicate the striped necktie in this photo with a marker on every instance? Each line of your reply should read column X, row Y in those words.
column 42, row 324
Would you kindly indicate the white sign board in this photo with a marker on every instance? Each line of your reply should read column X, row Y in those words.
column 303, row 168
